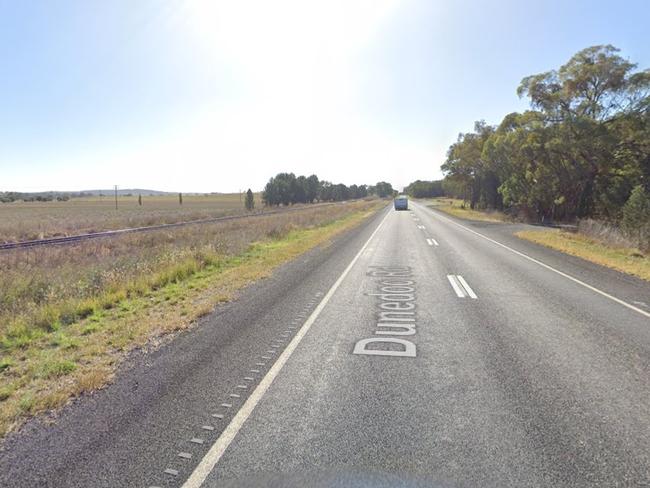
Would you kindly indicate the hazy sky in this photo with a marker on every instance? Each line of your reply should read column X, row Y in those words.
column 206, row 95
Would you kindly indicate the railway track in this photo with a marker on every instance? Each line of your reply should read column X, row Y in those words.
column 54, row 241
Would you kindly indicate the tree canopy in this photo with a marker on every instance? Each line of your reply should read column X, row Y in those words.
column 578, row 152
column 287, row 189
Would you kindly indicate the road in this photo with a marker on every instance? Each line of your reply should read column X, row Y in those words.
column 501, row 363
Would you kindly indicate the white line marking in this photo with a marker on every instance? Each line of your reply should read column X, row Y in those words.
column 469, row 291
column 435, row 243
column 421, row 227
column 430, row 242
column 207, row 427
column 185, row 455
column 217, row 450
column 550, row 268
column 217, row 415
column 173, row 472
column 456, row 286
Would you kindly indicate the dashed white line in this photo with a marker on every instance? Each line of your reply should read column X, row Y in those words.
column 185, row 455
column 456, row 286
column 469, row 291
column 172, row 472
column 461, row 287
column 207, row 427
column 217, row 450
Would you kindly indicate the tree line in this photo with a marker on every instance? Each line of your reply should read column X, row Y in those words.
column 581, row 150
column 288, row 189
column 425, row 189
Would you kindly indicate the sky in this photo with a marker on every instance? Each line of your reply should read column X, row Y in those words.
column 203, row 96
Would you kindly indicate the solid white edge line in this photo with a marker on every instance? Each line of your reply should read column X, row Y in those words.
column 217, row 450
column 544, row 265
column 469, row 291
column 454, row 284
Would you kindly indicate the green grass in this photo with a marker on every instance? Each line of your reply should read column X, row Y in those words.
column 626, row 260
column 74, row 346
column 460, row 209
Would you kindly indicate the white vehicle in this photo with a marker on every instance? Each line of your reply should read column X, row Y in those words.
column 401, row 202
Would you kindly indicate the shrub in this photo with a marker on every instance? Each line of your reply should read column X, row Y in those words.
column 636, row 216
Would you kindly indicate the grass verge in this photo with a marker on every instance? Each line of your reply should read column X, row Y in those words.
column 627, row 260
column 42, row 368
column 457, row 208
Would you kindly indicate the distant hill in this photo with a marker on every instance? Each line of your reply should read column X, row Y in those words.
column 48, row 196
column 127, row 191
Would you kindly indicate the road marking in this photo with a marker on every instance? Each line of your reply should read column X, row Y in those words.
column 185, row 455
column 550, row 268
column 217, row 415
column 469, row 291
column 435, row 243
column 196, row 440
column 207, row 427
column 226, row 405
column 173, row 472
column 217, row 450
column 461, row 287
column 421, row 227
column 456, row 286
column 432, row 242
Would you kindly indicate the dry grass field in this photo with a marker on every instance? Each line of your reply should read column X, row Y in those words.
column 37, row 220
column 622, row 258
column 69, row 314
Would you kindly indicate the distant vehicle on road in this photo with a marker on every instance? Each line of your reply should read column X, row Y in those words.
column 401, row 202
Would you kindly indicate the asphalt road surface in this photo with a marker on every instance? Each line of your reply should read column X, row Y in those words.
column 417, row 350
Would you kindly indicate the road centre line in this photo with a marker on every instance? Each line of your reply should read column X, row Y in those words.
column 461, row 287
column 550, row 268
column 219, row 447
column 469, row 291
column 456, row 286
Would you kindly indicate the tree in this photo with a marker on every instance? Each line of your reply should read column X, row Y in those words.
column 250, row 200
column 636, row 215
column 312, row 188
column 579, row 151
column 383, row 189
